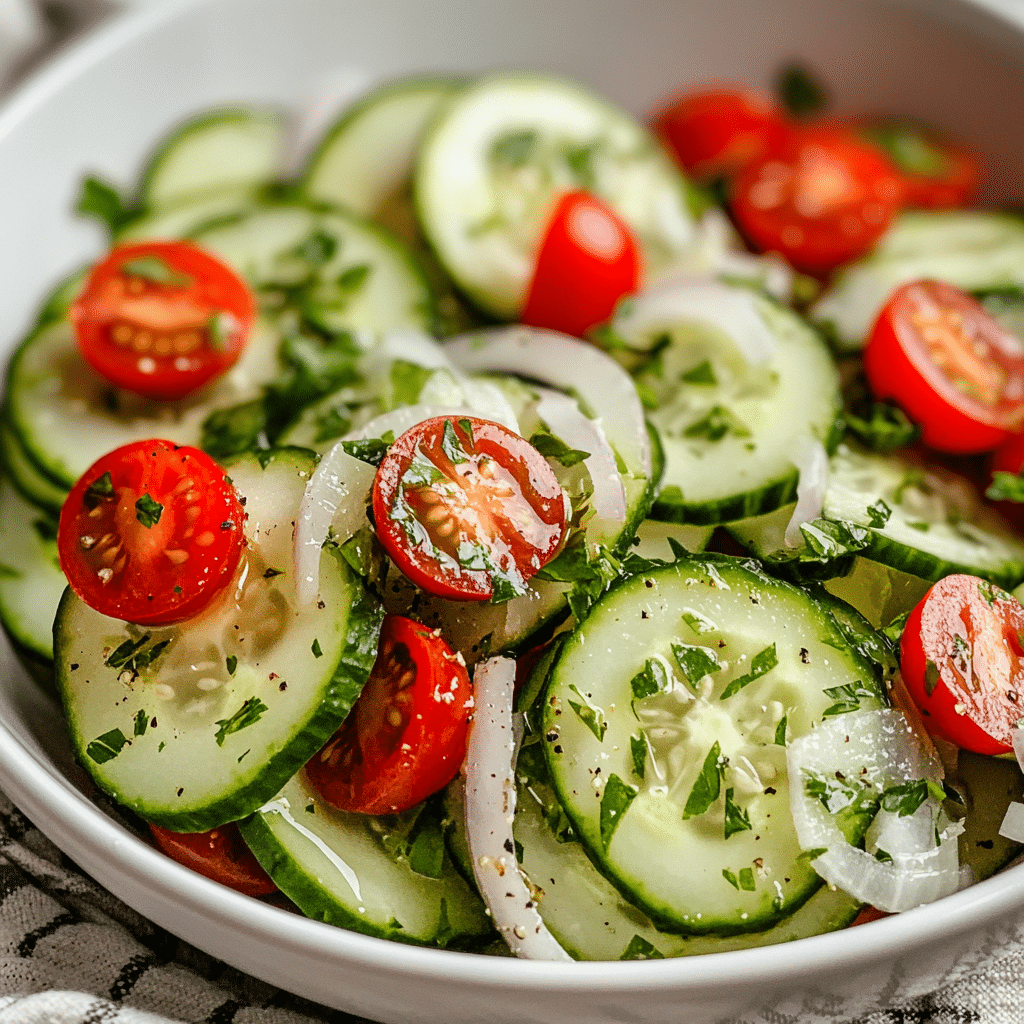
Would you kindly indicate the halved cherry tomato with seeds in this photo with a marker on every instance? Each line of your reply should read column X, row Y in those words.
column 162, row 318
column 467, row 509
column 588, row 260
column 963, row 663
column 821, row 199
column 151, row 533
column 220, row 854
column 950, row 365
column 405, row 737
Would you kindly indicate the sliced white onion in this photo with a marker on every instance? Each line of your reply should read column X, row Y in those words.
column 1017, row 738
column 335, row 496
column 568, row 364
column 490, row 809
column 564, row 419
column 881, row 747
column 811, row 460
column 399, row 420
column 688, row 299
column 1012, row 827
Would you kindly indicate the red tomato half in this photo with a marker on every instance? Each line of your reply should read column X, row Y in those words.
column 823, row 198
column 220, row 854
column 717, row 132
column 467, row 509
column 162, row 318
column 405, row 736
column 588, row 260
column 961, row 658
column 151, row 533
column 950, row 365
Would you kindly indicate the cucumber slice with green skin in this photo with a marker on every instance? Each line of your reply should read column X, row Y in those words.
column 31, row 583
column 631, row 746
column 230, row 148
column 367, row 157
column 186, row 216
column 652, row 539
column 32, row 484
column 728, row 427
column 65, row 415
column 242, row 696
column 974, row 250
column 370, row 281
column 991, row 784
column 501, row 151
column 922, row 520
column 366, row 873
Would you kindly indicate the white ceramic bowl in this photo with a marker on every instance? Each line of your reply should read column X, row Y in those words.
column 101, row 105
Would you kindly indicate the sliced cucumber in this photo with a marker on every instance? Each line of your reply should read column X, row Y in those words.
column 730, row 425
column 65, row 415
column 970, row 249
column 241, row 697
column 31, row 583
column 28, row 480
column 182, row 218
column 991, row 784
column 653, row 536
column 501, row 151
column 365, row 278
column 678, row 788
column 364, row 162
column 385, row 876
column 231, row 148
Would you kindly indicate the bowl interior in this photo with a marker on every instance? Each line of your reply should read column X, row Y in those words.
column 101, row 106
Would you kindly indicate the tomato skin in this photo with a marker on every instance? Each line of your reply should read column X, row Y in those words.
column 220, row 854
column 405, row 737
column 823, row 198
column 155, row 337
column 155, row 574
column 501, row 499
column 717, row 132
column 588, row 260
column 927, row 332
column 963, row 663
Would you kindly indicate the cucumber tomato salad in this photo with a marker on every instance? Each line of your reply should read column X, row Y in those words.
column 529, row 530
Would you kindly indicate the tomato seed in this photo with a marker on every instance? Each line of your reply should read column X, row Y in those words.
column 177, row 557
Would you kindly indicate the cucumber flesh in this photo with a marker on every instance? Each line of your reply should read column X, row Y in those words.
column 28, row 480
column 990, row 785
column 184, row 217
column 366, row 873
column 630, row 746
column 242, row 696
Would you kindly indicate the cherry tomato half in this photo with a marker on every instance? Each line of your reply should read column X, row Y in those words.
column 950, row 365
column 963, row 663
column 162, row 318
column 405, row 736
column 467, row 509
column 151, row 533
column 717, row 132
column 936, row 172
column 588, row 260
column 824, row 197
column 220, row 854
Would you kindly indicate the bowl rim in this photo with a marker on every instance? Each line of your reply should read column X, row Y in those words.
column 75, row 824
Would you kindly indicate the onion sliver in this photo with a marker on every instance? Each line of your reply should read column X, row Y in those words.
column 880, row 749
column 563, row 417
column 490, row 809
column 1012, row 827
column 811, row 461
column 569, row 364
column 728, row 308
column 335, row 496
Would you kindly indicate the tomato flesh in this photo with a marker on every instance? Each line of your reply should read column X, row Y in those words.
column 717, row 132
column 151, row 533
column 220, row 854
column 823, row 198
column 963, row 663
column 405, row 737
column 588, row 260
column 162, row 319
column 467, row 509
column 950, row 365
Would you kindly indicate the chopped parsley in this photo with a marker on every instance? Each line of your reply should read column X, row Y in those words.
column 148, row 511
column 248, row 714
column 761, row 664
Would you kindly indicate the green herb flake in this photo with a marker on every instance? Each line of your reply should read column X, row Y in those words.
column 884, row 856
column 589, row 714
column 931, row 676
column 638, row 754
column 351, row 279
column 148, row 511
column 780, row 732
column 736, row 818
column 878, row 514
column 695, row 662
column 615, row 801
column 103, row 203
column 231, row 662
column 141, row 722
column 905, row 799
column 702, row 375
column 715, row 425
column 883, row 428
column 407, row 381
column 651, row 679
column 221, row 328
column 813, row 854
column 248, row 714
column 317, row 249
column 730, row 878
column 156, row 271
column 316, row 649
column 160, row 748
column 426, row 854
column 800, row 92
column 990, row 593
column 698, row 623
column 514, row 149
column 552, row 447
column 746, row 880
column 106, row 747
column 640, row 949
column 451, row 444
column 234, row 429
column 761, row 664
column 372, row 450
column 847, row 698
column 101, row 487
column 708, row 785
column 580, row 161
